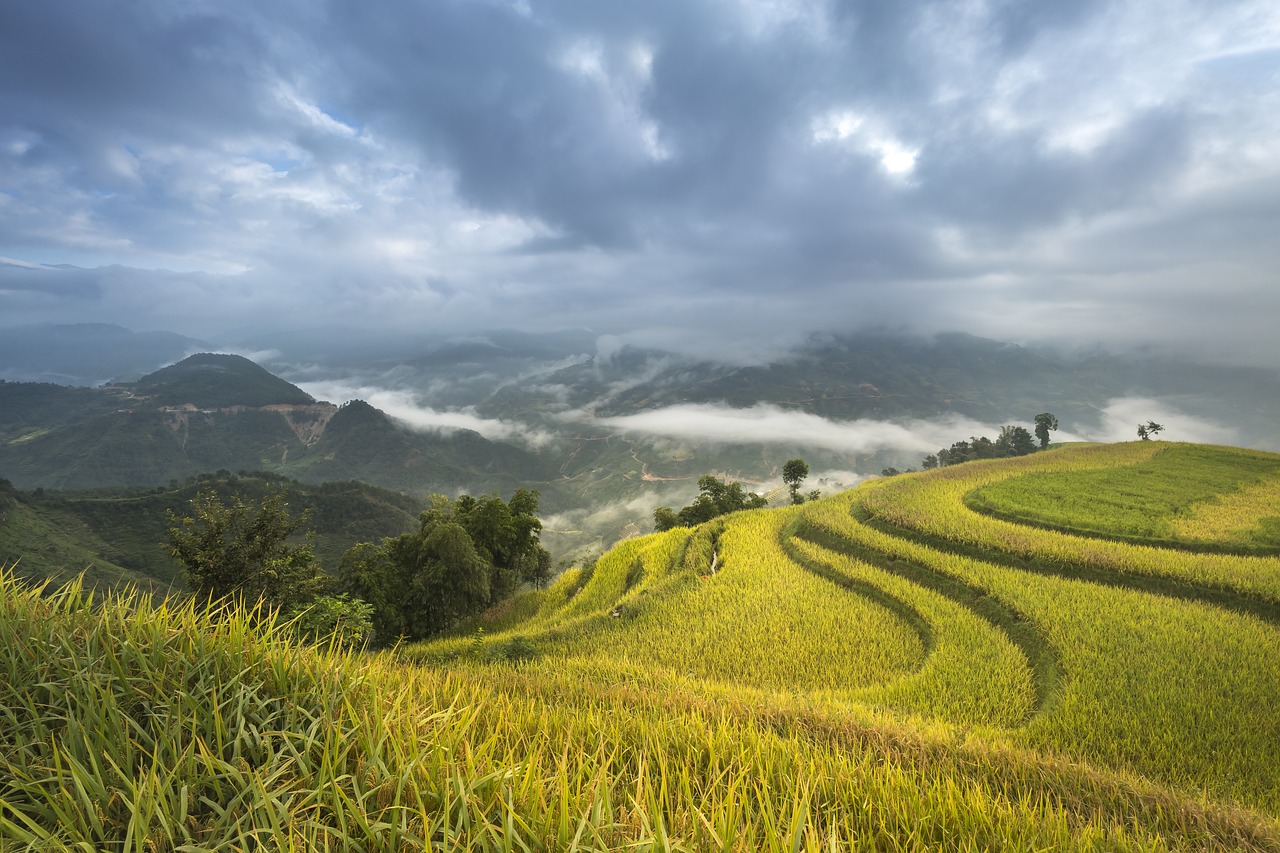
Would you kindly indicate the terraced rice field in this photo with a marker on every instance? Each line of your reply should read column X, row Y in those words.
column 1081, row 604
column 973, row 658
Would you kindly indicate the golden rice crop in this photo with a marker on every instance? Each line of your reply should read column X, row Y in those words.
column 129, row 726
column 1162, row 686
column 933, row 506
column 1236, row 517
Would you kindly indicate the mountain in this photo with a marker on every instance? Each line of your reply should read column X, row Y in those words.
column 887, row 376
column 121, row 534
column 87, row 353
column 223, row 412
column 217, row 381
column 850, row 405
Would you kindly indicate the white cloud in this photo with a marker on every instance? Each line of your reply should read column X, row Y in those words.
column 1121, row 417
column 403, row 407
column 868, row 136
column 769, row 424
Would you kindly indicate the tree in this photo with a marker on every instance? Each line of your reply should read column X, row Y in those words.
column 1045, row 423
column 1149, row 429
column 665, row 518
column 793, row 474
column 506, row 535
column 717, row 498
column 1015, row 441
column 340, row 619
column 242, row 550
column 466, row 555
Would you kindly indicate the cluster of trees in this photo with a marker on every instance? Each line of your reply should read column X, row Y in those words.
column 1150, row 428
column 1012, row 441
column 719, row 497
column 466, row 555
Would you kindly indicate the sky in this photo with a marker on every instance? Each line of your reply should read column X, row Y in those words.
column 674, row 171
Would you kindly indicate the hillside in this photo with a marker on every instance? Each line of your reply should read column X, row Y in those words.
column 120, row 535
column 218, row 381
column 222, row 412
column 883, row 669
column 1101, row 641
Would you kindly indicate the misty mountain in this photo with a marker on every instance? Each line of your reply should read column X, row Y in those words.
column 222, row 412
column 209, row 380
column 885, row 376
column 605, row 431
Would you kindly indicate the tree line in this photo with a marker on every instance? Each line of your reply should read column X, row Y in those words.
column 719, row 497
column 1012, row 441
column 466, row 555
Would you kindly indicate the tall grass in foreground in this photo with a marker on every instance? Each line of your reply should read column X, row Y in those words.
column 128, row 725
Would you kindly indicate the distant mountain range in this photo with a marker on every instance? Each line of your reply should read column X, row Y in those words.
column 87, row 353
column 214, row 412
column 554, row 412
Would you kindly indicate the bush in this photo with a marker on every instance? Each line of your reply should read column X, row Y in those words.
column 334, row 618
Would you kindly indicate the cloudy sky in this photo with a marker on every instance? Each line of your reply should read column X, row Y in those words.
column 738, row 169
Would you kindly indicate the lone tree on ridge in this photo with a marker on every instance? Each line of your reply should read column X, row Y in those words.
column 1150, row 428
column 1045, row 423
column 793, row 474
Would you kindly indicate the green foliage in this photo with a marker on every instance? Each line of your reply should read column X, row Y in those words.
column 1045, row 423
column 717, row 498
column 1015, row 441
column 466, row 555
column 515, row 650
column 1012, row 441
column 121, row 534
column 665, row 518
column 793, row 474
column 1149, row 430
column 242, row 550
column 338, row 619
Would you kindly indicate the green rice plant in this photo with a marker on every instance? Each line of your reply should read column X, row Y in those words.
column 932, row 507
column 131, row 725
column 1161, row 686
column 1144, row 501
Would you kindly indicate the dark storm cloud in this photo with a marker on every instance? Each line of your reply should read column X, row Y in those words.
column 1018, row 167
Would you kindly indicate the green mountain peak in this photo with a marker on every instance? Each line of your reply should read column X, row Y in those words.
column 218, row 380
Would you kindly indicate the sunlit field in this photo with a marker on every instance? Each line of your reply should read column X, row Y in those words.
column 1074, row 650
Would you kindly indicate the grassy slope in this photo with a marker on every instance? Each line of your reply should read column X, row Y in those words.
column 1079, row 654
column 122, row 534
column 277, row 747
column 1142, row 502
column 637, row 730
